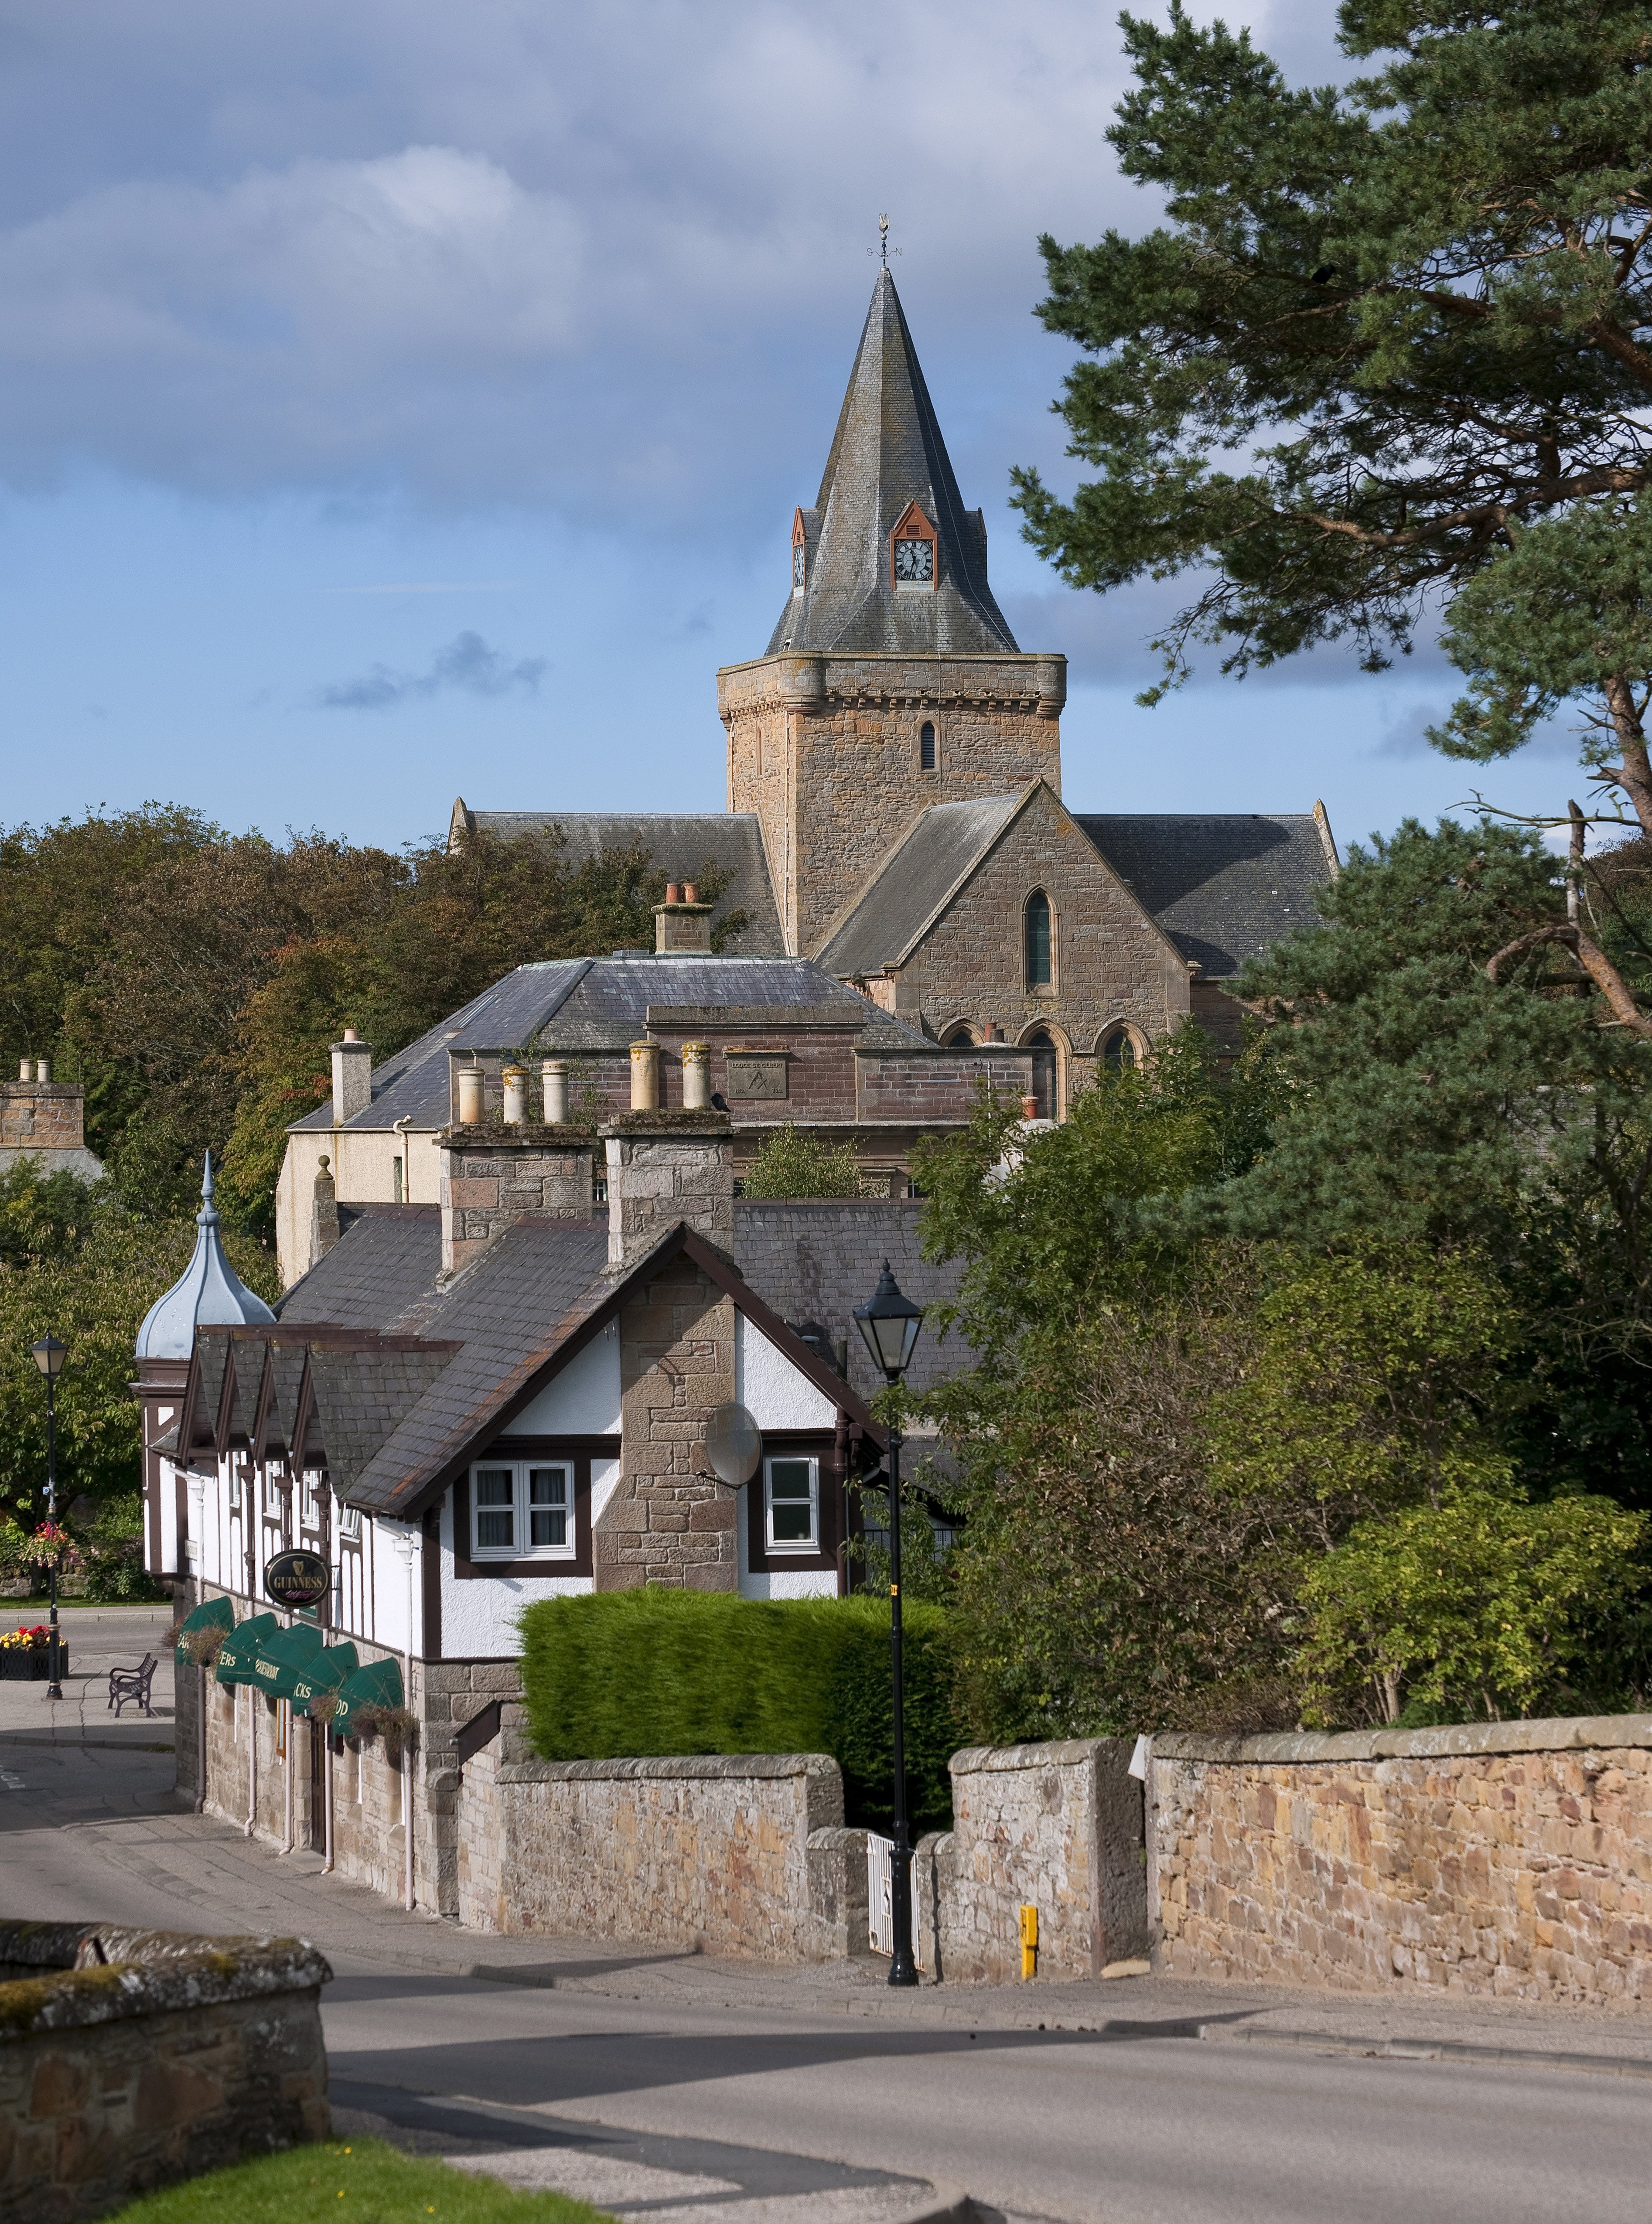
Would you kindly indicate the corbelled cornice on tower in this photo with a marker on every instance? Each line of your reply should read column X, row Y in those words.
column 887, row 456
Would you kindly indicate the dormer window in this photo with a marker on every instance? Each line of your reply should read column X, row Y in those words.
column 799, row 554
column 913, row 555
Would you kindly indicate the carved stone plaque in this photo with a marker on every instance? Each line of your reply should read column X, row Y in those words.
column 756, row 1079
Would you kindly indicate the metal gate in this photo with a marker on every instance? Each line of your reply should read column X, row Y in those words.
column 880, row 1909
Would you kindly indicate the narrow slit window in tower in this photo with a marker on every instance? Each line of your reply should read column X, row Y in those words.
column 926, row 746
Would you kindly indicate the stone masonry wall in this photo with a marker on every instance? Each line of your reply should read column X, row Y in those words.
column 826, row 750
column 1110, row 963
column 718, row 1852
column 491, row 1176
column 669, row 1519
column 1513, row 1858
column 1057, row 1827
column 42, row 1116
column 179, row 2056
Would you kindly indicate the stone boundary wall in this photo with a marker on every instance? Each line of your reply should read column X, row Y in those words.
column 1508, row 1858
column 130, row 2059
column 1055, row 1826
column 739, row 1853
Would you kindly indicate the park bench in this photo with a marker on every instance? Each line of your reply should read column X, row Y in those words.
column 126, row 1684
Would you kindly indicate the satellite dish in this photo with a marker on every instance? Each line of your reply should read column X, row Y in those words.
column 733, row 1444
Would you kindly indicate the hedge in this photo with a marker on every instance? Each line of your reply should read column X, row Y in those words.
column 661, row 1670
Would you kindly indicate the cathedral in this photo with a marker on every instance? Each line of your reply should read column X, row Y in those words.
column 895, row 807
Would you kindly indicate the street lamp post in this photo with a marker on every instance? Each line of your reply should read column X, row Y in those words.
column 49, row 1355
column 889, row 1322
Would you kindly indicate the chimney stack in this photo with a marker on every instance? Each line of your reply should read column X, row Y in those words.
column 682, row 924
column 664, row 1167
column 353, row 1069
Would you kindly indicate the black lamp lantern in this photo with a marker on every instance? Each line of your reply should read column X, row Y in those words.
column 890, row 1322
column 49, row 1355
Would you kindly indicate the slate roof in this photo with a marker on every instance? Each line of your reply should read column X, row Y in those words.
column 1224, row 888
column 362, row 1398
column 818, row 1262
column 888, row 452
column 593, row 1004
column 682, row 842
column 392, row 1254
column 924, row 868
column 392, row 1421
column 208, row 1290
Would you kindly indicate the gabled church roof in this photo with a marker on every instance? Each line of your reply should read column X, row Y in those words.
column 1224, row 886
column 888, row 453
column 682, row 842
column 939, row 854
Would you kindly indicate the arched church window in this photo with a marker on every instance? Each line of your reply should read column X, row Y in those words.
column 1118, row 1051
column 958, row 1038
column 926, row 746
column 1044, row 1074
column 1038, row 939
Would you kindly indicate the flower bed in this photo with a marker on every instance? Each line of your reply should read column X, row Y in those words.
column 25, row 1655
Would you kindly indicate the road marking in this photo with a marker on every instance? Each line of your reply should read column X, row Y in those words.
column 12, row 1782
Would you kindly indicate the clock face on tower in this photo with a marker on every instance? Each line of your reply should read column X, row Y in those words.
column 914, row 562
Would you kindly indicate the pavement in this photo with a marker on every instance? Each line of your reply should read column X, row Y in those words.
column 664, row 2084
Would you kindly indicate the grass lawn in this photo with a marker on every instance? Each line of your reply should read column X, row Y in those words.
column 363, row 2182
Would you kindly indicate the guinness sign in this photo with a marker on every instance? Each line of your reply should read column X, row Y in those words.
column 297, row 1580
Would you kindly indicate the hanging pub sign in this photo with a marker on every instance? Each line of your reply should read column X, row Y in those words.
column 297, row 1580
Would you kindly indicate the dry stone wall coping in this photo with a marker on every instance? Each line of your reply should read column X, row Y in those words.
column 1058, row 1753
column 145, row 1974
column 1561, row 1733
column 700, row 1767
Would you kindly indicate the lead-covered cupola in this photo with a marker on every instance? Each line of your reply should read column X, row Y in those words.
column 889, row 559
column 208, row 1293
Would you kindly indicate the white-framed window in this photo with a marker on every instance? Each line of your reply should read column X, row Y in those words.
column 274, row 1491
column 791, row 1487
column 521, row 1510
column 235, row 1487
column 310, row 1499
column 349, row 1523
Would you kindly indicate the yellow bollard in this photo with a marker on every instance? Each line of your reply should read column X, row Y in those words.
column 1028, row 1942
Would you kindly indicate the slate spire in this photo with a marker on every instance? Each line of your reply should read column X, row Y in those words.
column 887, row 457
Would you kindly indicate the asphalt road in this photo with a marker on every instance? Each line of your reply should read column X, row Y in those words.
column 719, row 2098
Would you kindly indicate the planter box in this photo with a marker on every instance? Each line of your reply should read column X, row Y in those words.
column 19, row 1664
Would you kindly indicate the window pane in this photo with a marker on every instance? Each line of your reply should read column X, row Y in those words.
column 548, row 1505
column 1038, row 941
column 791, row 1508
column 496, row 1521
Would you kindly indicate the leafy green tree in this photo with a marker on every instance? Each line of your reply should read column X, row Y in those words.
column 95, row 1274
column 1388, row 353
column 1476, row 1603
column 1372, row 1385
column 789, row 1162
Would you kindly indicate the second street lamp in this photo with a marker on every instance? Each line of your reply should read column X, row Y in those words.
column 49, row 1355
column 889, row 1322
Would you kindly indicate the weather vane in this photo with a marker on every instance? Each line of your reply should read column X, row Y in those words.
column 883, row 250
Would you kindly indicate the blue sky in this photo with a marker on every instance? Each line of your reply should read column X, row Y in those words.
column 400, row 400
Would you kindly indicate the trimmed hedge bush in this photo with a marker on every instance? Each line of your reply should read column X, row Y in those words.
column 659, row 1671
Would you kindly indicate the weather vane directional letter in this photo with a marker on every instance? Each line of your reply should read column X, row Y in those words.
column 883, row 250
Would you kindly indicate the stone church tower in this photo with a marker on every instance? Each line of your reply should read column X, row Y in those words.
column 892, row 682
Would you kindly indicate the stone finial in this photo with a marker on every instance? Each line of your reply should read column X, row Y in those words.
column 645, row 1075
column 324, row 1211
